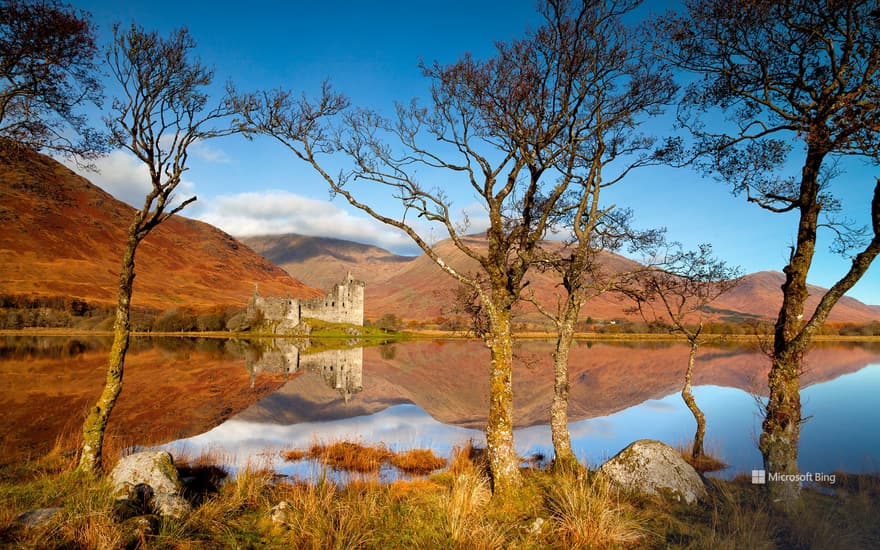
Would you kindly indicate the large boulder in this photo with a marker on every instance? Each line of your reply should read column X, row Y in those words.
column 653, row 467
column 149, row 478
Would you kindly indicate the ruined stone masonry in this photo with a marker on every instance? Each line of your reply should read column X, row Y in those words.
column 344, row 303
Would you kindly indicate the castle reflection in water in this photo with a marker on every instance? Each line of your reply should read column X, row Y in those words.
column 341, row 369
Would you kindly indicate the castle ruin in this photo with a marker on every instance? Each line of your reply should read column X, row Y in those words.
column 344, row 303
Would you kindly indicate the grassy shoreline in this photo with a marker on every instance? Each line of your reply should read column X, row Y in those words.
column 449, row 509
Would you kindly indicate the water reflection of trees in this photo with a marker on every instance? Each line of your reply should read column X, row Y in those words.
column 23, row 347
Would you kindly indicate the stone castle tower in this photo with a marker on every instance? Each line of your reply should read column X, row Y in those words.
column 344, row 303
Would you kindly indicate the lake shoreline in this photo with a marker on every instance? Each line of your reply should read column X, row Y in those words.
column 438, row 334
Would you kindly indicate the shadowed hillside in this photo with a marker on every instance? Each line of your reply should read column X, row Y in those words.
column 63, row 236
column 322, row 262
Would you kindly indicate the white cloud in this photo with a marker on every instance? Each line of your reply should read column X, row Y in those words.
column 209, row 153
column 128, row 179
column 276, row 212
column 122, row 175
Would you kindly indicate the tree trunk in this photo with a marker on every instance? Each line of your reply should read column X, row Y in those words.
column 781, row 427
column 96, row 422
column 503, row 460
column 688, row 397
column 565, row 459
column 781, row 430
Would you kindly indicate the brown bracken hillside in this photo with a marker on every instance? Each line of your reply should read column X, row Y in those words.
column 63, row 236
column 414, row 288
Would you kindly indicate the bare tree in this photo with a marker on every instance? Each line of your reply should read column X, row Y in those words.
column 506, row 129
column 621, row 87
column 48, row 70
column 162, row 111
column 799, row 82
column 678, row 292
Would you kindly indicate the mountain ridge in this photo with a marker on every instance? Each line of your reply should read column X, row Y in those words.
column 63, row 237
column 413, row 287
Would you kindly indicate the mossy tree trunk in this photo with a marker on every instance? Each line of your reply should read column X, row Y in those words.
column 95, row 425
column 163, row 110
column 780, row 434
column 564, row 459
column 500, row 449
column 793, row 334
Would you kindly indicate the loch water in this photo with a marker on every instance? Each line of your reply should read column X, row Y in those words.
column 244, row 402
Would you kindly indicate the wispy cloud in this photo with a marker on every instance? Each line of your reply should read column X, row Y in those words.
column 209, row 153
column 127, row 178
column 276, row 212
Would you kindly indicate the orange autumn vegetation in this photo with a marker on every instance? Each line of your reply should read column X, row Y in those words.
column 354, row 457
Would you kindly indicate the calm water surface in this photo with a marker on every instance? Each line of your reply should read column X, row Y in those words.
column 244, row 402
column 422, row 395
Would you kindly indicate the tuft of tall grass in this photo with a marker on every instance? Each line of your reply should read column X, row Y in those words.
column 354, row 457
column 739, row 518
column 417, row 461
column 320, row 515
column 707, row 462
column 589, row 513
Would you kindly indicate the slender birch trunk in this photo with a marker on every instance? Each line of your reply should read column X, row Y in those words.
column 95, row 425
column 688, row 397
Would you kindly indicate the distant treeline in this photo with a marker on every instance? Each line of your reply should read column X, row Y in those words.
column 21, row 311
column 628, row 326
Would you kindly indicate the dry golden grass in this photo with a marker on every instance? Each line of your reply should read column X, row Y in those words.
column 294, row 454
column 591, row 514
column 417, row 461
column 451, row 509
column 354, row 457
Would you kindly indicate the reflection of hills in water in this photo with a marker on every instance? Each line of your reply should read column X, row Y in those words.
column 447, row 379
column 339, row 368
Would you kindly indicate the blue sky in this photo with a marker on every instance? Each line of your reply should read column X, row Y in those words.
column 371, row 51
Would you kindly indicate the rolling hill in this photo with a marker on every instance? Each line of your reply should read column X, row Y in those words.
column 63, row 236
column 415, row 288
column 322, row 261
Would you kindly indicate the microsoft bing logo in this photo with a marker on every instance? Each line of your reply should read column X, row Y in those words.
column 759, row 477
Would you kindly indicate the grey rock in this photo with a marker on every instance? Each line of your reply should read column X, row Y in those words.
column 280, row 513
column 170, row 505
column 36, row 518
column 653, row 467
column 148, row 476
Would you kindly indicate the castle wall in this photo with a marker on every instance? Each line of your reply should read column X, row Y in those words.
column 284, row 311
column 344, row 303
